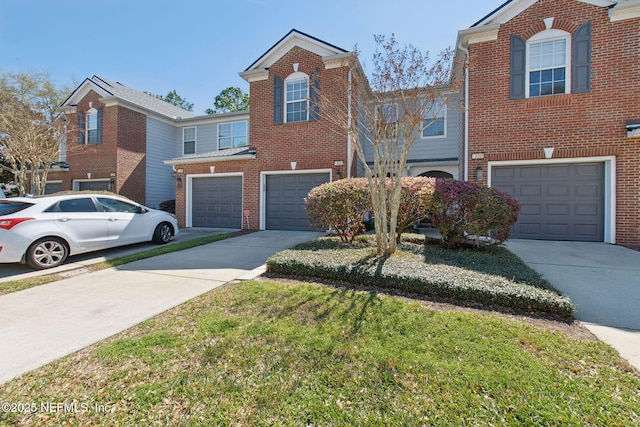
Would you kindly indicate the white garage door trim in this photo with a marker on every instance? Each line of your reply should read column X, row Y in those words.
column 609, row 184
column 263, row 187
column 76, row 182
column 189, row 191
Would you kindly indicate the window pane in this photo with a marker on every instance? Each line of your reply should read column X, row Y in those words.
column 558, row 74
column 190, row 147
column 436, row 128
column 534, row 90
column 546, row 89
column 534, row 77
column 92, row 121
column 224, row 143
column 189, row 134
column 77, row 205
column 546, row 76
column 92, row 136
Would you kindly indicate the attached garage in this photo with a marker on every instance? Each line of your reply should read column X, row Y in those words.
column 560, row 201
column 284, row 199
column 216, row 201
column 93, row 185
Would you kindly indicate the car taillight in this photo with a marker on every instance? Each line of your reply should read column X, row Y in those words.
column 9, row 223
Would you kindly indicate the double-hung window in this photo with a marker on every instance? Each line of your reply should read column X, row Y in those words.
column 232, row 135
column 189, row 140
column 91, row 134
column 434, row 124
column 548, row 67
column 297, row 98
column 386, row 121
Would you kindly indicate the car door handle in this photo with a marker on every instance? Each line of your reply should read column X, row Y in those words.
column 64, row 219
column 113, row 219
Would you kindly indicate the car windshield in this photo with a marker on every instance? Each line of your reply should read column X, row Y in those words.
column 8, row 207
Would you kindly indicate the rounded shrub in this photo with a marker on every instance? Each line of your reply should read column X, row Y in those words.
column 340, row 206
column 463, row 211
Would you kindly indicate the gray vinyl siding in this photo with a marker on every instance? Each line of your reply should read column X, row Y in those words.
column 436, row 148
column 447, row 147
column 160, row 147
column 206, row 136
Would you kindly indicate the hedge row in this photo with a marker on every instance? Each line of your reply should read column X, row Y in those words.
column 408, row 272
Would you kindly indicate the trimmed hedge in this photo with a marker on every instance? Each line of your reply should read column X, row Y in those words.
column 408, row 271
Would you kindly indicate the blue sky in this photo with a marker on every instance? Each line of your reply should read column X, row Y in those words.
column 198, row 47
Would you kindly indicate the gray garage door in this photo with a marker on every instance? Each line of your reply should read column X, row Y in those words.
column 52, row 187
column 559, row 201
column 93, row 185
column 285, row 208
column 217, row 202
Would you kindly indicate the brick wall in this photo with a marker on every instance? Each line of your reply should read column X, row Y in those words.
column 122, row 151
column 577, row 125
column 311, row 144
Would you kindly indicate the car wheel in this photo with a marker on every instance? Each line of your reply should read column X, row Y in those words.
column 163, row 233
column 47, row 252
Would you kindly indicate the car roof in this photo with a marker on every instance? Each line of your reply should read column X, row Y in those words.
column 55, row 197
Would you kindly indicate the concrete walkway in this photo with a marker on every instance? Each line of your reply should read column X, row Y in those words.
column 41, row 324
column 602, row 280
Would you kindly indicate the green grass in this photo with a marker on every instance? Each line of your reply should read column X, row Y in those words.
column 18, row 285
column 270, row 353
column 493, row 277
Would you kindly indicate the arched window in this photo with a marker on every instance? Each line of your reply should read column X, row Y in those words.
column 548, row 63
column 91, row 134
column 296, row 91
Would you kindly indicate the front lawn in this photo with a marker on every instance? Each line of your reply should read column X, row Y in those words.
column 275, row 353
column 493, row 277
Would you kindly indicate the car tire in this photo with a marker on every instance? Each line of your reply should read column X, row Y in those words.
column 163, row 233
column 47, row 252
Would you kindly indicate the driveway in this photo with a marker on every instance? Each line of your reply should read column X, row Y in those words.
column 602, row 280
column 41, row 324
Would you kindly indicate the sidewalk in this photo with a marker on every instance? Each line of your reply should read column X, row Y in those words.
column 41, row 324
column 602, row 280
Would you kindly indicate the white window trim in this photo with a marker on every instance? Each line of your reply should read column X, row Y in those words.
column 91, row 112
column 544, row 36
column 444, row 116
column 246, row 124
column 195, row 139
column 298, row 75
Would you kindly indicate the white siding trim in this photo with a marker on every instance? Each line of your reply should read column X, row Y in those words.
column 609, row 184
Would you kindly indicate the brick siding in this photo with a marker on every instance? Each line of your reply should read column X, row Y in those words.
column 577, row 125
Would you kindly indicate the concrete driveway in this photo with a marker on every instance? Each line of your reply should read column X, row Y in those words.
column 602, row 280
column 41, row 324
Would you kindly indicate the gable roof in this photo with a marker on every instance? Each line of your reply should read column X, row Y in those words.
column 620, row 9
column 285, row 44
column 108, row 89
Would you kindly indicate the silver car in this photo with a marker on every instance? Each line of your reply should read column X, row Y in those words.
column 44, row 231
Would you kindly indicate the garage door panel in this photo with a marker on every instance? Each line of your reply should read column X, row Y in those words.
column 285, row 194
column 568, row 205
column 560, row 209
column 528, row 172
column 217, row 202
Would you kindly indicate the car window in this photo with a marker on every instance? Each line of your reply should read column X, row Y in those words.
column 8, row 207
column 113, row 205
column 84, row 204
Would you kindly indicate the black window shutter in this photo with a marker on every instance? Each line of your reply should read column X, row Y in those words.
column 518, row 67
column 314, row 93
column 99, row 136
column 581, row 81
column 278, row 93
column 81, row 125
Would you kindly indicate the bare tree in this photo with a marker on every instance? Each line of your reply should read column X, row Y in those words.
column 31, row 130
column 385, row 115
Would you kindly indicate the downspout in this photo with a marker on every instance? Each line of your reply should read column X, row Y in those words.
column 466, row 111
column 349, row 142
